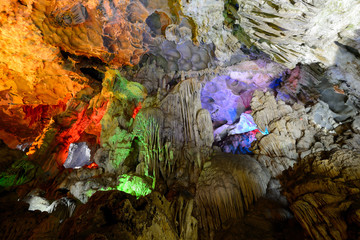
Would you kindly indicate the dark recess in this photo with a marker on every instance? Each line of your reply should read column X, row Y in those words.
column 350, row 49
column 93, row 73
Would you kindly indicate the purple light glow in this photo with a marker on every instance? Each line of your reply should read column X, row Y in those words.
column 228, row 101
column 238, row 144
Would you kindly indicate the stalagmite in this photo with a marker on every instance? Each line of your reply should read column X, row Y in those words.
column 184, row 120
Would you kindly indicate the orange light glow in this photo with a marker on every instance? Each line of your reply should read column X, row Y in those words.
column 39, row 140
column 93, row 166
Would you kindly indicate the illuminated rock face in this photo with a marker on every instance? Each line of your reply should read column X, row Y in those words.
column 111, row 31
column 149, row 90
column 79, row 155
column 208, row 16
column 116, row 136
column 34, row 86
column 36, row 83
column 228, row 99
column 31, row 72
column 289, row 31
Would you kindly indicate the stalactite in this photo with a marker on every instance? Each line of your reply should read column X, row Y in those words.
column 228, row 186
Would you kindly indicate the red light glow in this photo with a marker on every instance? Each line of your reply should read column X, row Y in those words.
column 85, row 119
column 93, row 166
column 136, row 110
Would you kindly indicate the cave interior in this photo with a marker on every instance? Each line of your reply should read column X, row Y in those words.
column 173, row 119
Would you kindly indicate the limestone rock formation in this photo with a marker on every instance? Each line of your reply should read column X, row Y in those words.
column 294, row 131
column 171, row 149
column 227, row 96
column 185, row 55
column 14, row 212
column 34, row 86
column 227, row 187
column 106, row 30
column 310, row 82
column 8, row 156
column 122, row 216
column 323, row 192
column 289, row 31
column 268, row 218
column 208, row 16
column 79, row 155
column 186, row 126
column 278, row 149
column 111, row 112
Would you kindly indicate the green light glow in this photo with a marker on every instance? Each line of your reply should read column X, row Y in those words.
column 123, row 89
column 115, row 135
column 90, row 192
column 134, row 185
column 147, row 131
column 119, row 132
column 22, row 171
column 121, row 143
column 157, row 156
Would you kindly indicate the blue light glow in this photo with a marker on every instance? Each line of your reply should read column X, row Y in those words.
column 274, row 84
column 246, row 124
column 239, row 144
column 266, row 132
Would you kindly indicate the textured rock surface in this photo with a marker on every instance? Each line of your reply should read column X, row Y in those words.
column 311, row 83
column 227, row 96
column 294, row 31
column 8, row 156
column 34, row 86
column 208, row 16
column 81, row 117
column 294, row 132
column 113, row 215
column 227, row 187
column 17, row 222
column 268, row 218
column 12, row 213
column 356, row 125
column 323, row 192
column 144, row 84
column 116, row 136
column 183, row 124
column 169, row 139
column 106, row 30
column 290, row 32
column 79, row 155
column 278, row 149
column 185, row 56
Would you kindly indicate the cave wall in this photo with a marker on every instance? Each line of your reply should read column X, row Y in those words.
column 152, row 93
